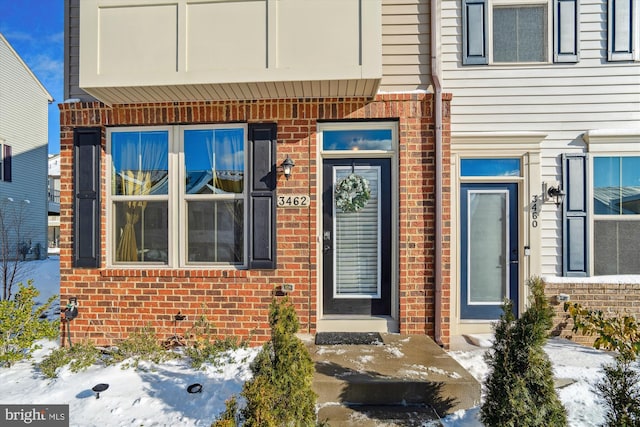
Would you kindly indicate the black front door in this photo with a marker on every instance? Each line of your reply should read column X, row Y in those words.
column 356, row 246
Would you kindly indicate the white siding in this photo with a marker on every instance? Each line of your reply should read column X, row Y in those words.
column 563, row 100
column 23, row 126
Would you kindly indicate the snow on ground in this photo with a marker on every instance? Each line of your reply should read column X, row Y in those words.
column 156, row 395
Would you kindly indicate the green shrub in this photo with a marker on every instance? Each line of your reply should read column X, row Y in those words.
column 204, row 347
column 21, row 324
column 620, row 386
column 619, row 333
column 230, row 414
column 79, row 357
column 280, row 394
column 520, row 389
column 620, row 389
column 142, row 344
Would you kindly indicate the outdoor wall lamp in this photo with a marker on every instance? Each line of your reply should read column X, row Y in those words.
column 556, row 193
column 286, row 167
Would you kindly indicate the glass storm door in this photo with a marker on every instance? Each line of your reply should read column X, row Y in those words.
column 356, row 246
column 489, row 249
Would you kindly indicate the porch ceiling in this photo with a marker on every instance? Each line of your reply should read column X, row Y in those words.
column 347, row 88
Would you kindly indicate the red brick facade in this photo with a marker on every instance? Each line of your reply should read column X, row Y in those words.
column 115, row 301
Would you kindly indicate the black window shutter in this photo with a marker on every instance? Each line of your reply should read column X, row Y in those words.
column 575, row 239
column 86, row 185
column 474, row 32
column 262, row 195
column 566, row 30
column 620, row 30
column 6, row 160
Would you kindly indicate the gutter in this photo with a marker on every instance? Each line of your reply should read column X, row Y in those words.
column 437, row 88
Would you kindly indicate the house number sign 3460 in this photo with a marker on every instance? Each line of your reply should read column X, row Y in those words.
column 293, row 201
column 535, row 210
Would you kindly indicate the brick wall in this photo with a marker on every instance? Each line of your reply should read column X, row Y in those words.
column 115, row 301
column 622, row 298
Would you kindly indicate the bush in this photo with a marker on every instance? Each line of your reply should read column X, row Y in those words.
column 203, row 347
column 142, row 344
column 620, row 389
column 280, row 394
column 21, row 324
column 620, row 386
column 520, row 389
column 79, row 357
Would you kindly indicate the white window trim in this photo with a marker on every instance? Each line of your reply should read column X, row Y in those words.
column 519, row 3
column 176, row 201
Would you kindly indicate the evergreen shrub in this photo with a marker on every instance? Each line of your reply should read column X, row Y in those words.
column 22, row 323
column 520, row 389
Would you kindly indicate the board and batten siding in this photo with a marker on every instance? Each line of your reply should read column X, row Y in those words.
column 406, row 64
column 405, row 47
column 562, row 100
column 23, row 125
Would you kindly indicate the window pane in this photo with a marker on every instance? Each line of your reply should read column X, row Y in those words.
column 505, row 45
column 519, row 34
column 215, row 231
column 488, row 274
column 357, row 241
column 141, row 231
column 616, row 185
column 616, row 247
column 374, row 139
column 630, row 204
column 490, row 167
column 214, row 161
column 140, row 163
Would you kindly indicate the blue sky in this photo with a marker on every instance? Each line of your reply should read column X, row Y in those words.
column 35, row 29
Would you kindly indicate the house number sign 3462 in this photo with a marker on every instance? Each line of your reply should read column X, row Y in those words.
column 293, row 201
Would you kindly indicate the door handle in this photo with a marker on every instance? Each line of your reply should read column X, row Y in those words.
column 514, row 262
column 327, row 248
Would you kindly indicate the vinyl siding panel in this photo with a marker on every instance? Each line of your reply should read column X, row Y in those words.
column 563, row 100
column 405, row 46
column 23, row 126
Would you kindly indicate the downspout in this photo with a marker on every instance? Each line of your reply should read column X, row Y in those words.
column 437, row 89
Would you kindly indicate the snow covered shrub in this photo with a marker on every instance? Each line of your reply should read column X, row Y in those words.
column 620, row 387
column 519, row 388
column 21, row 324
column 280, row 394
column 79, row 357
column 142, row 344
column 203, row 346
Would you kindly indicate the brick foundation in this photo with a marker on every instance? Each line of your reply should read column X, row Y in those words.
column 622, row 298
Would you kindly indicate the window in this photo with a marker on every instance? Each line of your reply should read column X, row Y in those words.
column 497, row 31
column 5, row 162
column 616, row 207
column 519, row 33
column 199, row 203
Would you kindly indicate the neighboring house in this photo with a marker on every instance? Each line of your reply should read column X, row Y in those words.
column 179, row 121
column 23, row 158
column 53, row 192
column 544, row 94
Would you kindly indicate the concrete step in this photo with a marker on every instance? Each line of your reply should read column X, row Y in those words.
column 404, row 371
column 377, row 416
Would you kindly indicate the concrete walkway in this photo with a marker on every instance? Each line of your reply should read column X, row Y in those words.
column 403, row 381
